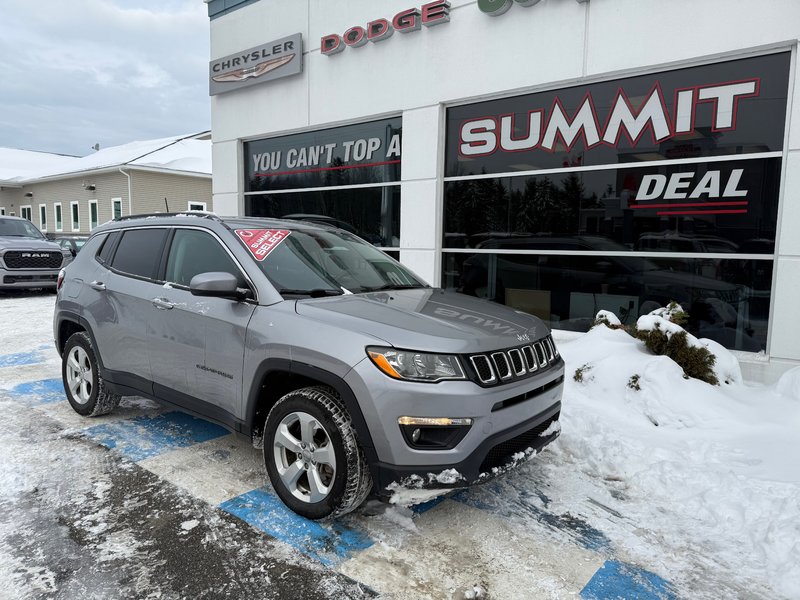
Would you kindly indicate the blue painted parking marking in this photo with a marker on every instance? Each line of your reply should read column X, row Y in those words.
column 617, row 580
column 499, row 499
column 145, row 437
column 20, row 359
column 36, row 393
column 423, row 507
column 329, row 544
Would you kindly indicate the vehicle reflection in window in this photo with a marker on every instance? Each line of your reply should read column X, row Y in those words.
column 728, row 301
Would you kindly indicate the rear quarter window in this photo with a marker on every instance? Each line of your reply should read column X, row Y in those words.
column 139, row 252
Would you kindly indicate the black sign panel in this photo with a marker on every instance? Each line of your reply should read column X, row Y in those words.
column 354, row 154
column 713, row 207
column 734, row 107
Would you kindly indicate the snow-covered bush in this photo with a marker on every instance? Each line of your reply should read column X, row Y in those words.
column 580, row 373
column 609, row 319
column 662, row 335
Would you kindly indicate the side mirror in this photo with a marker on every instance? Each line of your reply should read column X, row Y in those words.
column 217, row 285
column 72, row 251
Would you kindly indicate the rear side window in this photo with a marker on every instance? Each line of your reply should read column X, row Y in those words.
column 107, row 247
column 139, row 252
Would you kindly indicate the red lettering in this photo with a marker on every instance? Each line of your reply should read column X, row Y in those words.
column 331, row 44
column 436, row 13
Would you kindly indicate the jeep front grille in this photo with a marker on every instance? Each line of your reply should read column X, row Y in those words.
column 23, row 259
column 483, row 367
column 514, row 363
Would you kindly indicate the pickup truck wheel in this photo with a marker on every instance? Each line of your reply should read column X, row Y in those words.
column 86, row 390
column 312, row 456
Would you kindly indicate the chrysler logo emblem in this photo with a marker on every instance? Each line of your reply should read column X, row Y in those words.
column 254, row 66
column 256, row 70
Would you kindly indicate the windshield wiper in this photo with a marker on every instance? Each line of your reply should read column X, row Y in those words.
column 315, row 293
column 394, row 286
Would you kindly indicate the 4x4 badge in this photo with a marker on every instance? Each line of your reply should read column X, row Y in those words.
column 261, row 242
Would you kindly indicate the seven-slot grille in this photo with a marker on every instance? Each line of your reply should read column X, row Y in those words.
column 32, row 259
column 504, row 365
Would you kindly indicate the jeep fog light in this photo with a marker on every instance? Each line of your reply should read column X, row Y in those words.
column 434, row 433
column 434, row 421
column 416, row 366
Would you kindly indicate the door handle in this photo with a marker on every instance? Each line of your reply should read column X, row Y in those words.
column 98, row 285
column 163, row 304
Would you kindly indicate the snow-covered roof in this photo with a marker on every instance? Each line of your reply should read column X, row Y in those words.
column 184, row 153
column 19, row 164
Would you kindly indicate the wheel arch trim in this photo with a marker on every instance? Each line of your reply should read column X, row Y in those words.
column 348, row 398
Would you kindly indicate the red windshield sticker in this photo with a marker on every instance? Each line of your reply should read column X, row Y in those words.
column 261, row 242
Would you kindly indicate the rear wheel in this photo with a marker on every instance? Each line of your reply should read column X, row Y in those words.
column 312, row 456
column 86, row 391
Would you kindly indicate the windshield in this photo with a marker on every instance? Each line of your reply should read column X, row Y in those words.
column 322, row 263
column 19, row 228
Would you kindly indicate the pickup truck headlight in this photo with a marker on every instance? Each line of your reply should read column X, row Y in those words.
column 416, row 366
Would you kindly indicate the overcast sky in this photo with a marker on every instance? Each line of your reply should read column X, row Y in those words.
column 80, row 72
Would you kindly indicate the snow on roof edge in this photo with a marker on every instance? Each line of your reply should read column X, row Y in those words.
column 128, row 155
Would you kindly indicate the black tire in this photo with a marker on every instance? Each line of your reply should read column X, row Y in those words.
column 349, row 483
column 91, row 397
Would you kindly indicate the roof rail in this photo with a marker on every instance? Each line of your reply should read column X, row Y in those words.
column 199, row 213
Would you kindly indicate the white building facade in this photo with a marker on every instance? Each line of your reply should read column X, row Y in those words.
column 558, row 156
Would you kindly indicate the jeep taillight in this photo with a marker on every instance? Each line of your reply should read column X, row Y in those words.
column 60, row 281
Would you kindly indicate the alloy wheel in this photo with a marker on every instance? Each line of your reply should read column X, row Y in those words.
column 304, row 457
column 80, row 375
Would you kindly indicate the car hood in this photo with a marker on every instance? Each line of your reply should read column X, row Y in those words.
column 428, row 319
column 21, row 243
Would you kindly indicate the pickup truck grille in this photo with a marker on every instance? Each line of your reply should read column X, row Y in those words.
column 507, row 365
column 32, row 259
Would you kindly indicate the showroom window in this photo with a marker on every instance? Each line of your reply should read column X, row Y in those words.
column 348, row 177
column 26, row 212
column 624, row 195
column 59, row 219
column 43, row 217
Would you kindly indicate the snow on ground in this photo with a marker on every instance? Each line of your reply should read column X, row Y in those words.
column 695, row 483
column 712, row 471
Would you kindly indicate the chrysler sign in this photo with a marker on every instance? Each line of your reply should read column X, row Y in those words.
column 267, row 62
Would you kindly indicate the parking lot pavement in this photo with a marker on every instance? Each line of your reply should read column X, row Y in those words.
column 148, row 503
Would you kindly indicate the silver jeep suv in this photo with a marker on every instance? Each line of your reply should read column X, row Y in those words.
column 354, row 374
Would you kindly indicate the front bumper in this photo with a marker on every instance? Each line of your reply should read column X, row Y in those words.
column 496, row 455
column 506, row 420
column 28, row 278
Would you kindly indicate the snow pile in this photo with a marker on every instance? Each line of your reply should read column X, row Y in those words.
column 789, row 384
column 719, row 462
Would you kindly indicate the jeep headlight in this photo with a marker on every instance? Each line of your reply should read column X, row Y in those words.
column 416, row 366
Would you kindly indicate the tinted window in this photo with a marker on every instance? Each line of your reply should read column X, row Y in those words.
column 370, row 213
column 193, row 252
column 725, row 205
column 727, row 299
column 139, row 252
column 107, row 247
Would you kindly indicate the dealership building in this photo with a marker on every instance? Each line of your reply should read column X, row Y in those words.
column 557, row 156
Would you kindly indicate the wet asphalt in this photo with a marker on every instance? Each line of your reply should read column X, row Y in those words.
column 78, row 521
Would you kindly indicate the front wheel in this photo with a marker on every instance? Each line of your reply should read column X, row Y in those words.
column 312, row 456
column 86, row 391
